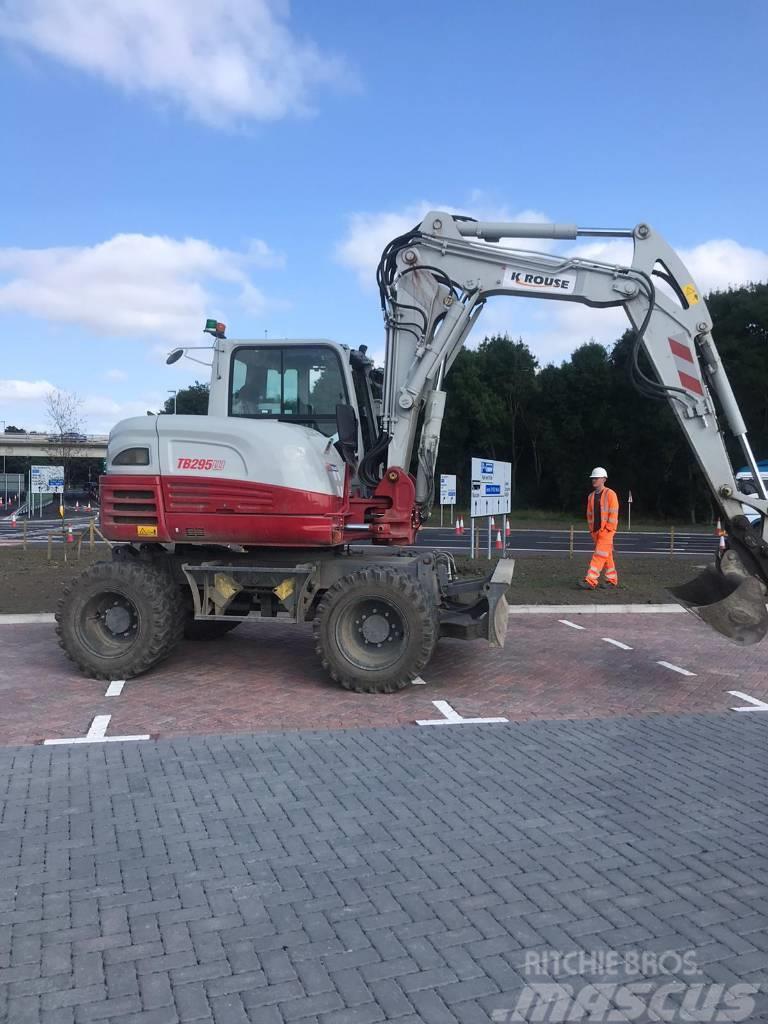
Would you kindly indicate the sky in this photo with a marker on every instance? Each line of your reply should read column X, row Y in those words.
column 248, row 160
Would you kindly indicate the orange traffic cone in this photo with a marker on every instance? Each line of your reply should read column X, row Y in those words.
column 493, row 523
column 507, row 531
column 462, row 524
column 88, row 507
column 13, row 519
column 77, row 506
column 720, row 532
column 70, row 536
column 458, row 527
column 499, row 545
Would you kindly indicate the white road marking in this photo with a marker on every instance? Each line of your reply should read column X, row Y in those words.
column 418, row 681
column 23, row 620
column 755, row 704
column 115, row 688
column 452, row 717
column 98, row 727
column 616, row 643
column 593, row 609
column 573, row 625
column 676, row 668
column 96, row 734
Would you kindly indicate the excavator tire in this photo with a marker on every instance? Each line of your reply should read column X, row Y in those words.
column 118, row 619
column 375, row 630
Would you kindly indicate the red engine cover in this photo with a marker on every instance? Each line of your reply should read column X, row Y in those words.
column 190, row 509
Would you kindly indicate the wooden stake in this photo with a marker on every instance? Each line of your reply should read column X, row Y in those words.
column 24, row 531
column 671, row 540
column 91, row 525
column 570, row 542
column 50, row 546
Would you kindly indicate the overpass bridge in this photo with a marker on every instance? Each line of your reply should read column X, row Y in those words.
column 93, row 446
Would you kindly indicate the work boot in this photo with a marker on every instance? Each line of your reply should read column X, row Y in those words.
column 609, row 586
column 583, row 585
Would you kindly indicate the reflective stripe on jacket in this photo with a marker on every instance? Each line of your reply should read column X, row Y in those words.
column 609, row 510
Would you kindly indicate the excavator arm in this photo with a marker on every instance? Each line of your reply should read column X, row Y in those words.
column 434, row 282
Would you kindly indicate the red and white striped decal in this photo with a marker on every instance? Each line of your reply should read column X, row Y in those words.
column 686, row 367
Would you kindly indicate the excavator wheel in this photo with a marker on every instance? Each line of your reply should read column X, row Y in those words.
column 375, row 630
column 118, row 619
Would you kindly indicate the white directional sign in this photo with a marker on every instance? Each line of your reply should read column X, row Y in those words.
column 491, row 487
column 47, row 479
column 447, row 489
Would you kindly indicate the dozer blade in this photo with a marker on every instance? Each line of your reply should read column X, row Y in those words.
column 734, row 605
column 498, row 609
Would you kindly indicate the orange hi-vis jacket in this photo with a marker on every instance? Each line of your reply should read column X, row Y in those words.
column 609, row 511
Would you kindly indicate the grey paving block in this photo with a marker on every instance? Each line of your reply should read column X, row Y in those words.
column 369, row 875
column 192, row 1002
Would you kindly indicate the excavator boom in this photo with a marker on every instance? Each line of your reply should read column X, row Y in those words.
column 434, row 282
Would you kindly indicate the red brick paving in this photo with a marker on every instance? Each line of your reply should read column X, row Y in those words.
column 266, row 677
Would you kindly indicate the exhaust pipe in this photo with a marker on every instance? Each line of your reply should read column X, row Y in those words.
column 731, row 603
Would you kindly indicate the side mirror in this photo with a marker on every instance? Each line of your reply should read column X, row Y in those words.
column 346, row 428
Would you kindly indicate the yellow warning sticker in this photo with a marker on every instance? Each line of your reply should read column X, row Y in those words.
column 147, row 531
column 691, row 294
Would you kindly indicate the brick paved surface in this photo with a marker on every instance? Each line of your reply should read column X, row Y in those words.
column 267, row 677
column 369, row 875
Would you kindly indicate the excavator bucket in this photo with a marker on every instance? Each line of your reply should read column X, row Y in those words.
column 732, row 604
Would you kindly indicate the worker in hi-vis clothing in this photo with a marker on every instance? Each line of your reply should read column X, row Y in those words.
column 603, row 521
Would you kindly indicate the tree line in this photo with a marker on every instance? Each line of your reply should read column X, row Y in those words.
column 554, row 423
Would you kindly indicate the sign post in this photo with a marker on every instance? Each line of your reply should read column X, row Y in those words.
column 45, row 480
column 447, row 492
column 629, row 511
column 491, row 491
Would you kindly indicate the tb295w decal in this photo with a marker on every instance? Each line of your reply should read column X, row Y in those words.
column 204, row 464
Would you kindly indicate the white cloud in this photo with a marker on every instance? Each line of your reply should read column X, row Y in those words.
column 219, row 60
column 723, row 263
column 23, row 404
column 24, row 390
column 131, row 285
column 368, row 233
column 714, row 265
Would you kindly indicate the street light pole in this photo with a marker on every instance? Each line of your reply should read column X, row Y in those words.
column 170, row 392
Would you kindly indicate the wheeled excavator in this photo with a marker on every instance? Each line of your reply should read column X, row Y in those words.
column 294, row 498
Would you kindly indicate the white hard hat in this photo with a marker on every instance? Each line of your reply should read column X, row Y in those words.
column 598, row 471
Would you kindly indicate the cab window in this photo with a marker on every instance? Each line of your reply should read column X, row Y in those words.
column 296, row 382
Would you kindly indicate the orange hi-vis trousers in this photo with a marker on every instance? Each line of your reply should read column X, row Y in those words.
column 602, row 560
column 607, row 524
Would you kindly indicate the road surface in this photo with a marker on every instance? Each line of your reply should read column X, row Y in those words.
column 556, row 541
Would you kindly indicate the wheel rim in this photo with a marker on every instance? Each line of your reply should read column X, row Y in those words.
column 372, row 634
column 109, row 624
